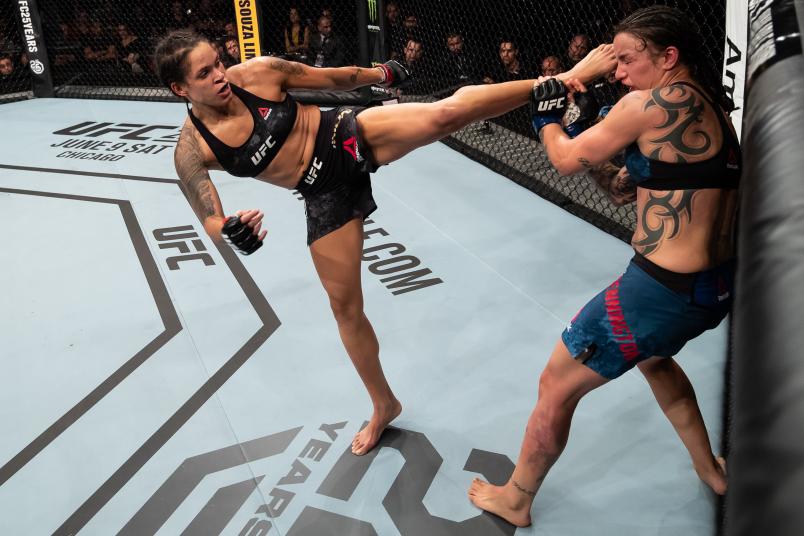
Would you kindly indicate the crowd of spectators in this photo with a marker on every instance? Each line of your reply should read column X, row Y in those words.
column 14, row 72
column 99, row 43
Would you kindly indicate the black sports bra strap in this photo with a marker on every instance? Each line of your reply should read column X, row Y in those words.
column 724, row 126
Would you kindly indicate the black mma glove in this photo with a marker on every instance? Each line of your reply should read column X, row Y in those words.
column 548, row 102
column 588, row 106
column 240, row 236
column 394, row 73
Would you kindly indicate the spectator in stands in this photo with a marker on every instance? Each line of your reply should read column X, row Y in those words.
column 6, row 66
column 231, row 55
column 411, row 28
column 421, row 80
column 12, row 78
column 326, row 48
column 132, row 50
column 394, row 31
column 511, row 66
column 206, row 19
column 82, row 24
column 178, row 16
column 230, row 30
column 579, row 47
column 100, row 53
column 297, row 35
column 66, row 51
column 459, row 66
column 551, row 66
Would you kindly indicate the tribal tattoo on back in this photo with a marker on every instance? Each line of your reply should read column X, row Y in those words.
column 670, row 218
column 684, row 111
column 675, row 101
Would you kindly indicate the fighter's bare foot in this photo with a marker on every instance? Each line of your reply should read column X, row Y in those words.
column 715, row 476
column 495, row 499
column 366, row 438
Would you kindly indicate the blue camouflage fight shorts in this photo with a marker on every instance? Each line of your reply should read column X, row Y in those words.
column 638, row 317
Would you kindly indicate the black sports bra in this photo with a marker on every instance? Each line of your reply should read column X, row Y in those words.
column 721, row 171
column 273, row 123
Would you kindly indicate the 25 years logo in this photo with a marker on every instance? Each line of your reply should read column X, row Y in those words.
column 404, row 501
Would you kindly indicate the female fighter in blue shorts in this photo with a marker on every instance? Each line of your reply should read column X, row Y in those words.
column 682, row 165
column 243, row 121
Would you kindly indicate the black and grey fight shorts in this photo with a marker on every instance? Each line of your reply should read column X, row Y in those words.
column 336, row 187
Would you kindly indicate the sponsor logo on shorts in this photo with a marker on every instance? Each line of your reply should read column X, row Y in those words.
column 312, row 173
column 264, row 112
column 350, row 146
column 619, row 327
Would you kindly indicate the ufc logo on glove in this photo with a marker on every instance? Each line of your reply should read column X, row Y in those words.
column 552, row 104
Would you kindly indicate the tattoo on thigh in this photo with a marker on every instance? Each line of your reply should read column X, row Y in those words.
column 353, row 78
column 669, row 215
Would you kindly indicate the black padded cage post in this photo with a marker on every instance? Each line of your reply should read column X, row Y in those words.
column 30, row 25
column 15, row 76
column 371, row 32
column 766, row 462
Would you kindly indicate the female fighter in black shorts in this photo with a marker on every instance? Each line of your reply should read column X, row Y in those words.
column 243, row 121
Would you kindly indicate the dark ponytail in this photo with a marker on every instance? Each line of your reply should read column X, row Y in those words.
column 171, row 55
column 662, row 27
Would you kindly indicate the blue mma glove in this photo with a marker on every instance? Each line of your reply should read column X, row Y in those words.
column 548, row 102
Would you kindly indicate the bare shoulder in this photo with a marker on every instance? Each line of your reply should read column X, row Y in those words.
column 264, row 69
column 673, row 98
column 279, row 65
column 684, row 125
column 631, row 113
column 634, row 100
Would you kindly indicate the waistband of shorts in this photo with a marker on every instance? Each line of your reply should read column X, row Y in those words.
column 676, row 281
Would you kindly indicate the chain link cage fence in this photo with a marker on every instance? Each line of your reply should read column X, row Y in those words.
column 102, row 49
column 450, row 44
column 15, row 79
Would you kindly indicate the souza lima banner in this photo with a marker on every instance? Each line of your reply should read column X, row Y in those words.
column 248, row 28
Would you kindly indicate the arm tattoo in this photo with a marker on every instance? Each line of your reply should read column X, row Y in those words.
column 287, row 67
column 669, row 215
column 193, row 173
column 353, row 78
column 523, row 490
column 675, row 100
column 616, row 183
